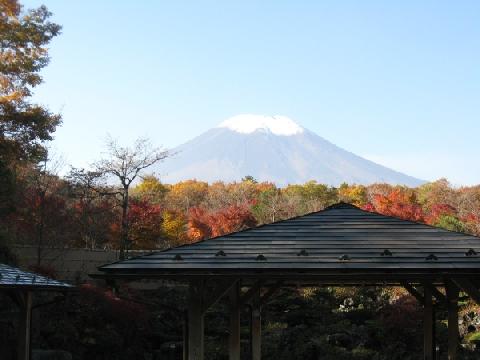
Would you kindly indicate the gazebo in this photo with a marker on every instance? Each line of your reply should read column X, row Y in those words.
column 20, row 286
column 342, row 245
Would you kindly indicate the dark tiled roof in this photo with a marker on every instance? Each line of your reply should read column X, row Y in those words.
column 12, row 277
column 341, row 238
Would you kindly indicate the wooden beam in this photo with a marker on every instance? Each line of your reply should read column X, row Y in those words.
column 452, row 292
column 251, row 292
column 234, row 338
column 469, row 288
column 256, row 327
column 196, row 320
column 220, row 290
column 428, row 325
column 414, row 292
column 25, row 325
column 437, row 294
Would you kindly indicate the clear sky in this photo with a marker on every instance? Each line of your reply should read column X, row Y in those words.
column 395, row 81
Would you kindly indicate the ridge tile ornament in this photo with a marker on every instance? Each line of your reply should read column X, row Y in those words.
column 220, row 253
column 470, row 252
column 303, row 252
column 261, row 257
column 386, row 252
column 431, row 257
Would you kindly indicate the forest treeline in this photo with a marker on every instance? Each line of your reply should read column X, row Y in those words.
column 48, row 210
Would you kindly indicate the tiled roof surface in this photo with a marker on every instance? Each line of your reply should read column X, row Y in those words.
column 12, row 277
column 342, row 238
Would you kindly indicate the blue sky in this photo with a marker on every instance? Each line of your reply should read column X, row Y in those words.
column 396, row 82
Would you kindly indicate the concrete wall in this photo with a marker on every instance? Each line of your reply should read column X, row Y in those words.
column 72, row 265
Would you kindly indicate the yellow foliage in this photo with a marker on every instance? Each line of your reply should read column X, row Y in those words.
column 174, row 227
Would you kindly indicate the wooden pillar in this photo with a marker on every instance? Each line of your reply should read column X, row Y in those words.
column 185, row 335
column 428, row 325
column 196, row 320
column 452, row 292
column 25, row 324
column 256, row 327
column 234, row 339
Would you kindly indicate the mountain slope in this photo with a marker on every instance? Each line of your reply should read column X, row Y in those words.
column 271, row 149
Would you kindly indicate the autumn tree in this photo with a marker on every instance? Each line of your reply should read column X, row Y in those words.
column 269, row 205
column 187, row 194
column 174, row 227
column 353, row 194
column 202, row 224
column 43, row 215
column 24, row 126
column 220, row 195
column 93, row 209
column 310, row 197
column 400, row 202
column 123, row 165
column 145, row 224
column 437, row 192
column 151, row 189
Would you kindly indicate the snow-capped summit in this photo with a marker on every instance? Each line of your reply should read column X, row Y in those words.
column 271, row 148
column 249, row 123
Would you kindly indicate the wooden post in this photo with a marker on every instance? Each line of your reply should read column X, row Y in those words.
column 185, row 335
column 234, row 339
column 428, row 325
column 452, row 292
column 195, row 320
column 256, row 327
column 25, row 324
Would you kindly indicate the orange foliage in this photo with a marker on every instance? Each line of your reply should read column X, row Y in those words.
column 399, row 203
column 202, row 225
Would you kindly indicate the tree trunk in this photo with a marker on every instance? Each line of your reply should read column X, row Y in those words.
column 124, row 232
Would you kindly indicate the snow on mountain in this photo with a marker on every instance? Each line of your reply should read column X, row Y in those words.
column 271, row 148
column 247, row 124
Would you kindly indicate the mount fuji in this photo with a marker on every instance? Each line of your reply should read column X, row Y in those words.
column 275, row 149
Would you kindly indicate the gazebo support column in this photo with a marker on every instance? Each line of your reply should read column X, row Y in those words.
column 185, row 336
column 196, row 320
column 452, row 292
column 25, row 324
column 234, row 339
column 256, row 327
column 428, row 325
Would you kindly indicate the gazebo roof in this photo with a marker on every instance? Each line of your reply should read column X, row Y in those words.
column 340, row 241
column 14, row 278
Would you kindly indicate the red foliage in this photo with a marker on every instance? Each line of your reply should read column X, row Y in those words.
column 145, row 221
column 402, row 314
column 437, row 211
column 368, row 207
column 112, row 307
column 471, row 218
column 398, row 203
column 233, row 218
column 198, row 224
